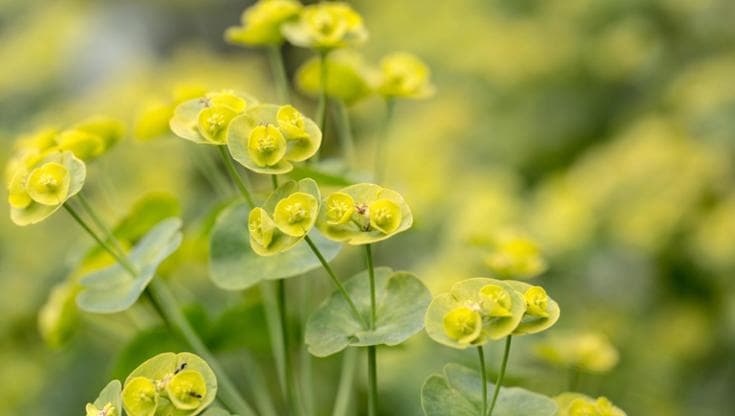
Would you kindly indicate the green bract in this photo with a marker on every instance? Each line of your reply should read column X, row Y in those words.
column 182, row 385
column 233, row 263
column 576, row 404
column 206, row 120
column 542, row 312
column 458, row 392
column 326, row 26
column 267, row 138
column 452, row 317
column 401, row 303
column 348, row 77
column 113, row 289
column 378, row 213
column 403, row 75
column 38, row 190
column 261, row 23
column 108, row 403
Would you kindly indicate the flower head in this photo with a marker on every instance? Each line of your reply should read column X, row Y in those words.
column 266, row 145
column 140, row 397
column 296, row 214
column 326, row 26
column 261, row 23
column 403, row 75
column 186, row 389
column 463, row 324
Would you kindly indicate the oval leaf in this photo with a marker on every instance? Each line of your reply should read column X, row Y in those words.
column 113, row 289
column 458, row 392
column 401, row 299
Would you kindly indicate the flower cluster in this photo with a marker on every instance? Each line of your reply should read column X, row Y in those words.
column 478, row 310
column 326, row 26
column 205, row 120
column 575, row 404
column 261, row 23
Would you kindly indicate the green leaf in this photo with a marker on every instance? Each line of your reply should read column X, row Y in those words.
column 401, row 301
column 458, row 392
column 110, row 394
column 164, row 365
column 113, row 289
column 233, row 264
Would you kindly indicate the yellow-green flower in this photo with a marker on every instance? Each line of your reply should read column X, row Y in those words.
column 339, row 207
column 385, row 215
column 496, row 301
column 296, row 214
column 537, row 301
column 108, row 129
column 83, row 144
column 261, row 23
column 107, row 410
column 326, row 26
column 291, row 122
column 463, row 324
column 348, row 77
column 140, row 397
column 206, row 120
column 588, row 351
column 266, row 145
column 576, row 404
column 261, row 227
column 403, row 75
column 515, row 257
column 18, row 196
column 49, row 183
column 213, row 123
column 186, row 389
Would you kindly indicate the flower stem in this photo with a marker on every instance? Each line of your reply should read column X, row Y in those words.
column 278, row 69
column 483, row 373
column 380, row 141
column 234, row 175
column 336, row 281
column 99, row 223
column 345, row 132
column 372, row 353
column 501, row 374
column 321, row 109
column 274, row 181
column 344, row 390
column 290, row 396
column 165, row 303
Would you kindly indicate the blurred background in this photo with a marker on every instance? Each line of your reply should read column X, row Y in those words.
column 602, row 130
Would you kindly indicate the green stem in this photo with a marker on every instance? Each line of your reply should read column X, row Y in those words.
column 372, row 353
column 483, row 372
column 380, row 141
column 274, row 181
column 501, row 374
column 272, row 317
column 235, row 175
column 574, row 376
column 344, row 390
column 99, row 223
column 165, row 303
column 336, row 281
column 290, row 397
column 279, row 73
column 321, row 109
column 345, row 132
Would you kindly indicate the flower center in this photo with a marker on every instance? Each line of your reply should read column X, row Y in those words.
column 296, row 213
column 215, row 123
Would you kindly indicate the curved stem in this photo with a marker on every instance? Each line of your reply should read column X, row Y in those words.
column 483, row 372
column 345, row 132
column 165, row 304
column 321, row 109
column 336, row 281
column 278, row 69
column 235, row 175
column 380, row 141
column 501, row 374
column 372, row 353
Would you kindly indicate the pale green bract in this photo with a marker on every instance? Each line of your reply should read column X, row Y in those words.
column 531, row 324
column 108, row 398
column 458, row 392
column 467, row 293
column 113, row 289
column 185, row 120
column 401, row 303
column 233, row 265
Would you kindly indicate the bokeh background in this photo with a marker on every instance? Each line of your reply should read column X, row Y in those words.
column 604, row 130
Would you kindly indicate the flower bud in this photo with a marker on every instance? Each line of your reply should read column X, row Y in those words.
column 537, row 302
column 496, row 301
column 261, row 227
column 291, row 122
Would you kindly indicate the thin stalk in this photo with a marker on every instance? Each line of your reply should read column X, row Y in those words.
column 501, row 374
column 165, row 303
column 272, row 317
column 274, row 181
column 290, row 394
column 307, row 367
column 278, row 69
column 336, row 281
column 235, row 176
column 483, row 372
column 380, row 141
column 344, row 390
column 372, row 353
column 321, row 109
column 574, row 376
column 99, row 223
column 347, row 140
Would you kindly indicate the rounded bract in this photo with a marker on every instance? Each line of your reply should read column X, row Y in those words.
column 326, row 26
column 140, row 397
column 48, row 184
column 463, row 324
column 186, row 389
column 206, row 119
column 261, row 227
column 296, row 214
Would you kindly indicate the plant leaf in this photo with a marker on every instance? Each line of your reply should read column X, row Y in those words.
column 113, row 289
column 233, row 264
column 458, row 392
column 401, row 301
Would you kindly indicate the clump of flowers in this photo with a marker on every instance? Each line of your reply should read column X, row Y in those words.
column 326, row 26
column 206, row 119
column 576, row 404
column 261, row 24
